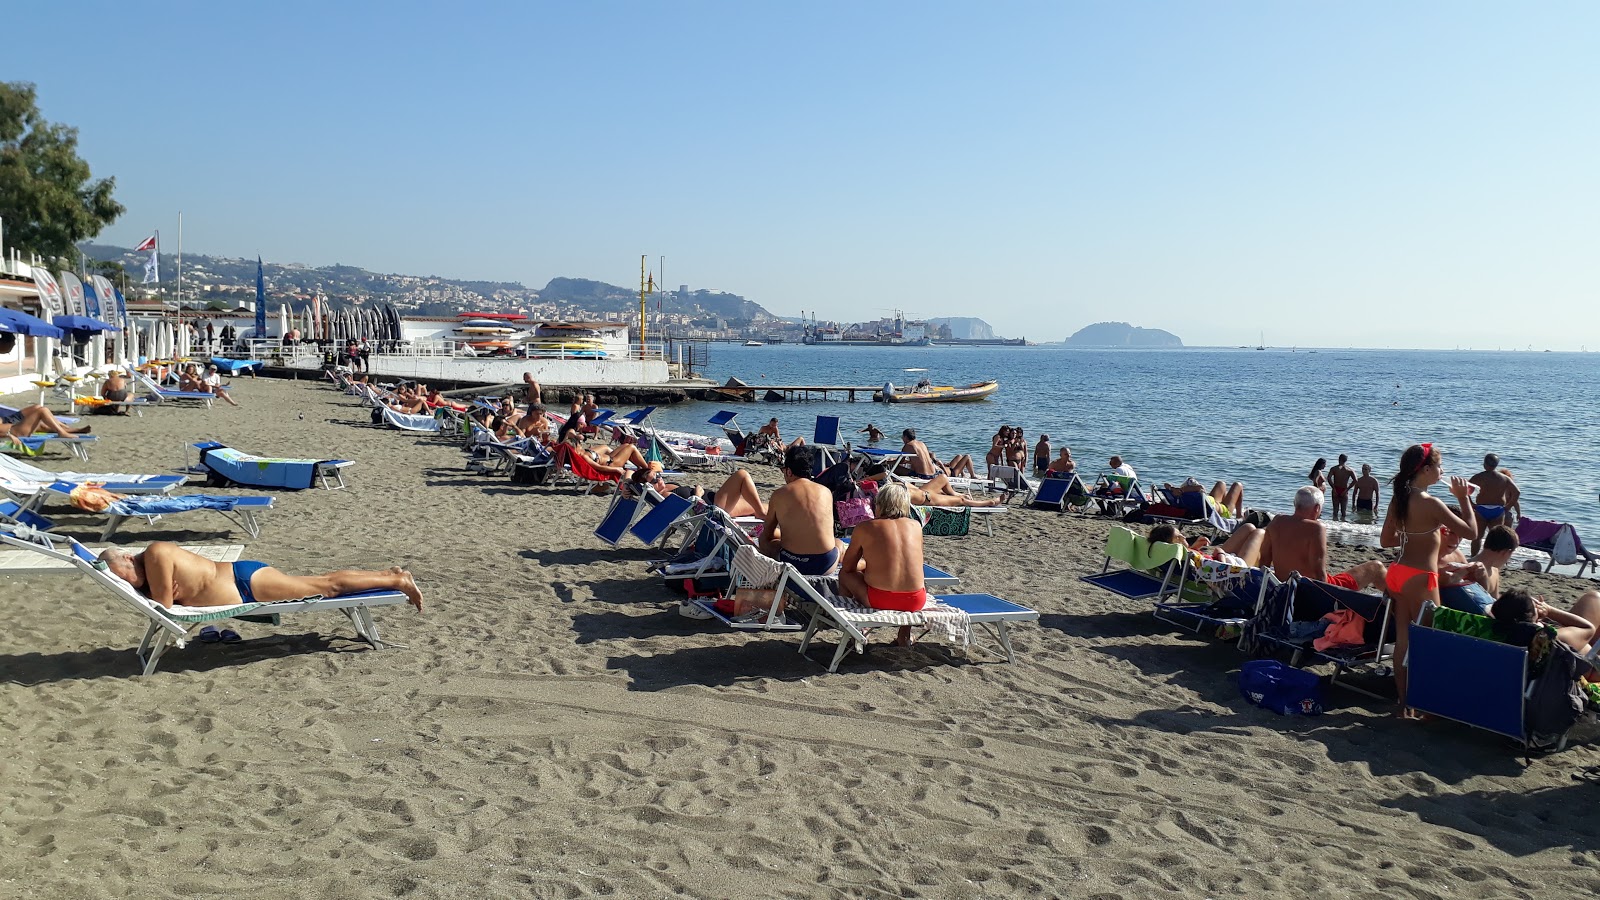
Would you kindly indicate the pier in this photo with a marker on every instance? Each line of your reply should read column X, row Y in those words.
column 788, row 393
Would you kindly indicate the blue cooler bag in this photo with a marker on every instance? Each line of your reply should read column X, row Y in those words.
column 1283, row 689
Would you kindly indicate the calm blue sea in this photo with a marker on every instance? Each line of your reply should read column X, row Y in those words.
column 1262, row 417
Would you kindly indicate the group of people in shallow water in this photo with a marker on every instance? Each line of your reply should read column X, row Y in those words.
column 1431, row 566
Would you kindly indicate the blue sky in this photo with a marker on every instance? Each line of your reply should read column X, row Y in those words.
column 1361, row 174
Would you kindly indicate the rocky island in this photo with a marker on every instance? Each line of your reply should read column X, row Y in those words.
column 1121, row 334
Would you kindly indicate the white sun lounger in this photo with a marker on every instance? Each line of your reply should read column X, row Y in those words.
column 166, row 628
column 163, row 396
column 241, row 510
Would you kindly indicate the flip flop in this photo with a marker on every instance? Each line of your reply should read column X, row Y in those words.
column 208, row 635
column 229, row 636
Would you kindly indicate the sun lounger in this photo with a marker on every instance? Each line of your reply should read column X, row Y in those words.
column 163, row 396
column 166, row 628
column 951, row 613
column 1558, row 539
column 1115, row 493
column 670, row 512
column 1011, row 481
column 239, row 510
column 226, row 466
column 749, row 570
column 619, row 515
column 1309, row 601
column 1059, row 493
column 1148, row 572
column 932, row 576
column 27, row 483
column 572, row 468
column 1223, row 615
column 78, row 445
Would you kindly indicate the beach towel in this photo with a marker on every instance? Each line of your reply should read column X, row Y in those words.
column 156, row 506
column 947, row 622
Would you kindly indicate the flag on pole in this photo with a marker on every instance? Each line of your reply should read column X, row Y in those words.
column 152, row 266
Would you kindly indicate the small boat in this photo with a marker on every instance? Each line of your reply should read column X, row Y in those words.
column 754, row 344
column 937, row 393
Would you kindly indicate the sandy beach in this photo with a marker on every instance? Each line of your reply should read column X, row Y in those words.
column 552, row 727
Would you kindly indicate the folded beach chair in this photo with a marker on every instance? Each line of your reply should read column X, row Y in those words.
column 1312, row 600
column 1148, row 572
column 951, row 616
column 1059, row 493
column 239, row 510
column 223, row 465
column 1558, row 539
column 167, row 628
column 163, row 396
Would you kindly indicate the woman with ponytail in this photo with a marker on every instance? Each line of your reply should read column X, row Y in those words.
column 1413, row 524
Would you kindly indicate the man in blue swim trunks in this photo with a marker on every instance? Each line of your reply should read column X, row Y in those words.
column 798, row 528
column 1496, row 491
column 1472, row 585
column 171, row 575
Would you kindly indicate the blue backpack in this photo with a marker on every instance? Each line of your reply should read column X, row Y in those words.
column 1283, row 689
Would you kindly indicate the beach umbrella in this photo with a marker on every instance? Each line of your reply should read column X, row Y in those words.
column 283, row 319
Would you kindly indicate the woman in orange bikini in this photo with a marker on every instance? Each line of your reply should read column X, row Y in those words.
column 1413, row 524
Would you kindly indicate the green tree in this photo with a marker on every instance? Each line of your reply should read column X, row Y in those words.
column 48, row 199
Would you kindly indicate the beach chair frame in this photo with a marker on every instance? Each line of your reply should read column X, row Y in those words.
column 166, row 628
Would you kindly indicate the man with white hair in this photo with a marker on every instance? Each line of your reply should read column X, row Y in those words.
column 1298, row 542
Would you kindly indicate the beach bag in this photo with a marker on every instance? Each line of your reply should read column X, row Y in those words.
column 530, row 473
column 1281, row 688
column 747, row 600
column 854, row 509
column 377, row 416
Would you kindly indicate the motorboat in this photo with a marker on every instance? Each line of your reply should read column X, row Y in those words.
column 931, row 393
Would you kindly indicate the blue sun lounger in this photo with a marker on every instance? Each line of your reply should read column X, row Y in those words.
column 77, row 445
column 224, row 465
column 670, row 512
column 1058, row 493
column 1147, row 572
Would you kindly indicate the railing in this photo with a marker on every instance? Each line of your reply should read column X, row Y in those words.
column 276, row 347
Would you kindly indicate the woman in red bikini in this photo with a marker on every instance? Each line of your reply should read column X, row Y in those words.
column 1413, row 524
column 882, row 567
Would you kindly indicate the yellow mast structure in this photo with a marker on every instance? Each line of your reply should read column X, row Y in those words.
column 646, row 287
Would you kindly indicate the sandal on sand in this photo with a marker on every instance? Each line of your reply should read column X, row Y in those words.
column 208, row 635
column 229, row 636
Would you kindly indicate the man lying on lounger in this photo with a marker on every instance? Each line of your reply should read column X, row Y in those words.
column 169, row 575
column 1299, row 543
column 799, row 523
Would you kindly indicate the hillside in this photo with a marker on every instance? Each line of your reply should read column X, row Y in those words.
column 1121, row 334
column 232, row 280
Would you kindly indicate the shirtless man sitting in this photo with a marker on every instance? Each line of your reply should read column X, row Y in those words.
column 1496, row 491
column 1471, row 585
column 1341, row 478
column 882, row 568
column 798, row 528
column 31, row 420
column 1368, row 494
column 922, row 462
column 115, row 387
column 171, row 575
column 1298, row 542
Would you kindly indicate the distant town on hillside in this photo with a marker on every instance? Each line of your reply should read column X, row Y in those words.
column 685, row 313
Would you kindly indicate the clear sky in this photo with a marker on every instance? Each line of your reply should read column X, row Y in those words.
column 1369, row 174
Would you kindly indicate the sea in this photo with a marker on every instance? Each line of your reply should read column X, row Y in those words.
column 1257, row 416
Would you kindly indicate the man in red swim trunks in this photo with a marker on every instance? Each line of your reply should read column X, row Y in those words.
column 1299, row 543
column 1341, row 478
column 882, row 567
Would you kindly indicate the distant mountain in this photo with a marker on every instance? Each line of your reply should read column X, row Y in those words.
column 963, row 328
column 601, row 297
column 1121, row 334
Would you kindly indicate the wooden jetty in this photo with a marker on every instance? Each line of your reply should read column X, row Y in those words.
column 787, row 393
